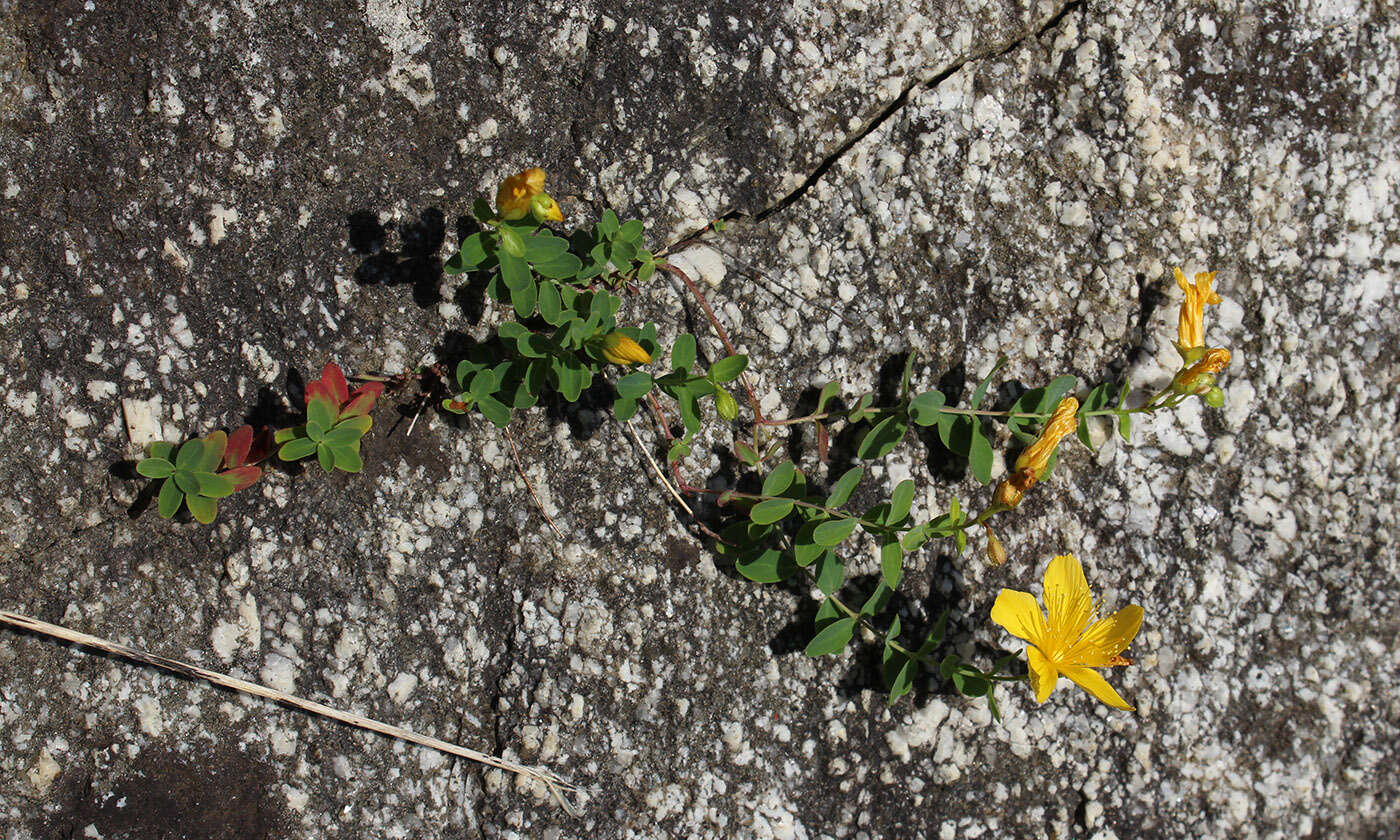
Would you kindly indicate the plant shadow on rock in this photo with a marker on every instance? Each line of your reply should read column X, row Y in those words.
column 221, row 794
column 415, row 263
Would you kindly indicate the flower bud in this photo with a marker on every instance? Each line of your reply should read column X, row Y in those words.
column 511, row 242
column 725, row 405
column 1201, row 375
column 545, row 209
column 1215, row 398
column 996, row 552
column 621, row 350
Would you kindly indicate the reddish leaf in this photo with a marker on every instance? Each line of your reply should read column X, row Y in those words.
column 242, row 477
column 261, row 449
column 333, row 377
column 215, row 443
column 236, row 455
column 317, row 389
column 363, row 399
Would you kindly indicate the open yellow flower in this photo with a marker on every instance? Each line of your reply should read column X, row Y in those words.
column 1033, row 462
column 1190, row 329
column 522, row 194
column 1065, row 642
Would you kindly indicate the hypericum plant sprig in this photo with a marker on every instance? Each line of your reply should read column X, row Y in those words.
column 204, row 470
column 336, row 420
column 562, row 331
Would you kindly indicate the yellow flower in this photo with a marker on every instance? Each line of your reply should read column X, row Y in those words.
column 621, row 350
column 1031, row 466
column 1061, row 644
column 1191, row 330
column 523, row 193
column 1211, row 362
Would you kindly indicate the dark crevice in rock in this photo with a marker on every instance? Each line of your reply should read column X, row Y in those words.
column 894, row 107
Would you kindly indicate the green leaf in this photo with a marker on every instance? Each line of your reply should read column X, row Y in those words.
column 161, row 449
column 843, row 488
column 631, row 230
column 935, row 636
column 315, row 430
column 320, row 414
column 213, row 485
column 204, row 510
column 523, row 299
column 624, row 409
column 883, row 438
column 155, row 468
column 770, row 510
column 347, row 458
column 914, row 538
column 972, row 684
column 551, row 308
column 900, row 502
column 830, row 573
column 924, row 409
column 482, row 210
column 296, row 449
column 168, row 503
column 360, row 423
column 544, row 245
column 1122, row 394
column 190, row 455
column 767, row 566
column 683, row 352
column 746, row 453
column 471, row 254
column 877, row 600
column 728, row 369
column 325, row 457
column 979, row 455
column 515, row 272
column 833, row 638
column 1125, row 426
column 891, row 561
column 804, row 550
column 562, row 267
column 607, row 224
column 623, row 252
column 829, row 390
column 342, row 435
column 678, row 450
column 779, row 479
column 898, row 671
column 981, row 392
column 634, row 385
column 834, row 531
column 827, row 612
column 958, row 432
column 494, row 410
column 185, row 480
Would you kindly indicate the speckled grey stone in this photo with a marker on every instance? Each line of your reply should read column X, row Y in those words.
column 202, row 202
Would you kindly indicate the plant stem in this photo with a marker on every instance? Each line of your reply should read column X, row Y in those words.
column 719, row 331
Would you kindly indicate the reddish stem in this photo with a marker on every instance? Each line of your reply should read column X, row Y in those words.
column 719, row 331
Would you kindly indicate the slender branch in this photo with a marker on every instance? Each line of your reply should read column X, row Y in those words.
column 719, row 331
column 515, row 455
column 557, row 786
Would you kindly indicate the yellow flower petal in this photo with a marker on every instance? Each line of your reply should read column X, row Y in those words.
column 1020, row 615
column 1107, row 638
column 1067, row 598
column 1042, row 672
column 1090, row 681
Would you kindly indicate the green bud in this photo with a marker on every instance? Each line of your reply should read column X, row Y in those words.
column 511, row 242
column 545, row 209
column 725, row 405
column 1215, row 398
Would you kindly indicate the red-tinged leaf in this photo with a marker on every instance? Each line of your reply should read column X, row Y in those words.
column 319, row 390
column 242, row 477
column 360, row 403
column 236, row 454
column 334, row 377
column 261, row 448
column 823, row 442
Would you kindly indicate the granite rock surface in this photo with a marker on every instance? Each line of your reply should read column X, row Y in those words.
column 202, row 202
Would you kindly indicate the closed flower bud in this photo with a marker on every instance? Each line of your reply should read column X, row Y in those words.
column 1200, row 376
column 996, row 552
column 621, row 350
column 545, row 209
column 725, row 405
column 1215, row 398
